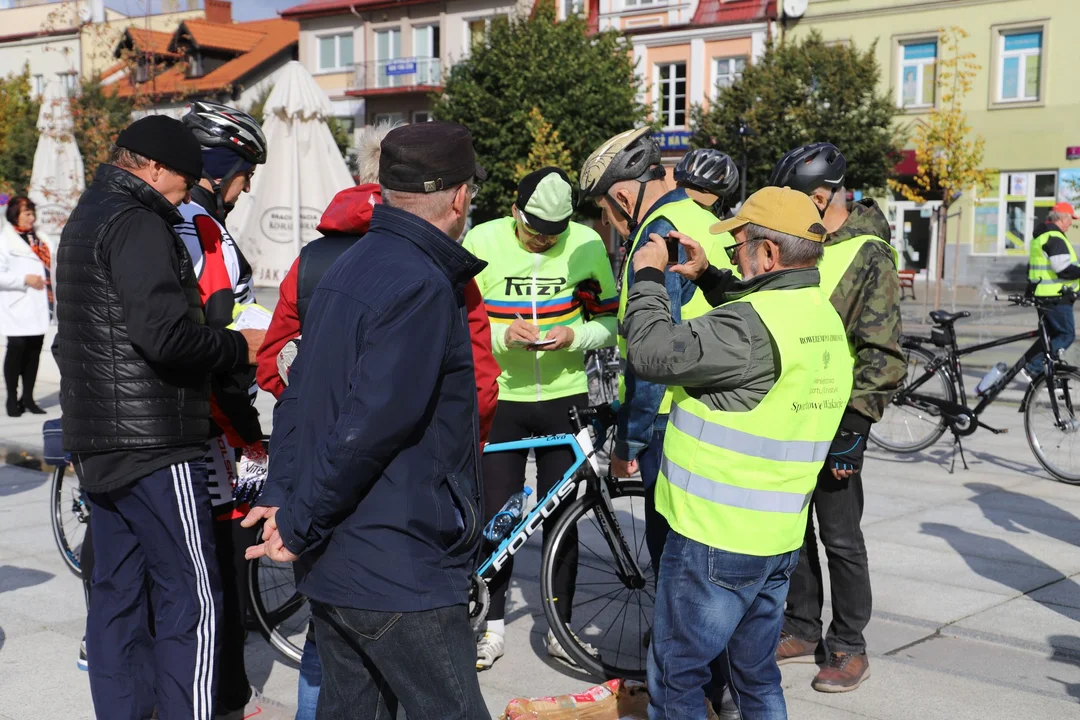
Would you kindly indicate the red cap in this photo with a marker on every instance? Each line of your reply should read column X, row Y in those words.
column 1066, row 208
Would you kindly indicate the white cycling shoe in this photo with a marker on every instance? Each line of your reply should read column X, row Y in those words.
column 555, row 650
column 489, row 648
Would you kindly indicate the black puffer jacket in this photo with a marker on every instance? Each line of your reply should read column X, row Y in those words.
column 133, row 352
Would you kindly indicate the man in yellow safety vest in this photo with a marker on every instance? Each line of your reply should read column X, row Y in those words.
column 761, row 383
column 1052, row 267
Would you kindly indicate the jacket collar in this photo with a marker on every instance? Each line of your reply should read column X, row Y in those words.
column 207, row 201
column 864, row 218
column 112, row 179
column 780, row 280
column 14, row 241
column 456, row 262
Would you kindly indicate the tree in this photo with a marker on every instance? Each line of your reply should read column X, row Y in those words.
column 547, row 149
column 948, row 157
column 18, row 132
column 99, row 116
column 800, row 92
column 585, row 86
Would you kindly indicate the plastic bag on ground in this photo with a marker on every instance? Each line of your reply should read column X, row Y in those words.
column 613, row 700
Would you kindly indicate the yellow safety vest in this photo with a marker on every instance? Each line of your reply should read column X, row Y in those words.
column 690, row 219
column 1039, row 270
column 742, row 481
column 838, row 258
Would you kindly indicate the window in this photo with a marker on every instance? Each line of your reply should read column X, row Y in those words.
column 1005, row 220
column 478, row 29
column 387, row 48
column 573, row 7
column 918, row 77
column 421, row 116
column 427, row 51
column 39, row 84
column 671, row 94
column 636, row 3
column 727, row 70
column 69, row 81
column 195, row 65
column 391, row 118
column 335, row 52
column 1019, row 65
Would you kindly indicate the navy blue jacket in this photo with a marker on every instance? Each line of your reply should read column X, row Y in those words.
column 374, row 453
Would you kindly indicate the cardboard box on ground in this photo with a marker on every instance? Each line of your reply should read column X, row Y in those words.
column 614, row 700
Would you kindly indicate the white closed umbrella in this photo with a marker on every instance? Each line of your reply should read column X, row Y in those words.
column 57, row 179
column 304, row 170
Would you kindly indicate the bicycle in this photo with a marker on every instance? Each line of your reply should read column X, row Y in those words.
column 602, row 369
column 928, row 405
column 68, row 511
column 599, row 510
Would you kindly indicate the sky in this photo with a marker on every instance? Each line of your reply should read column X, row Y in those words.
column 243, row 10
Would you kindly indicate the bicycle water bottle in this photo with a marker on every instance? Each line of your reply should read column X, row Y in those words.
column 507, row 517
column 990, row 379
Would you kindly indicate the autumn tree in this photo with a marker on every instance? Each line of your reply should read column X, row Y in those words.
column 18, row 132
column 547, row 149
column 99, row 115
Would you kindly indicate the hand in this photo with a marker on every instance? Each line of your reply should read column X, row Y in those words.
column 652, row 254
column 846, row 453
column 696, row 262
column 34, row 281
column 254, row 342
column 274, row 548
column 258, row 513
column 623, row 468
column 562, row 335
column 521, row 332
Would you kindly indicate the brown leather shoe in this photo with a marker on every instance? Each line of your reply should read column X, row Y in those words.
column 844, row 673
column 795, row 650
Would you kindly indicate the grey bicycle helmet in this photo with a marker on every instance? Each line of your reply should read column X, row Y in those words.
column 809, row 167
column 709, row 171
column 630, row 155
column 217, row 125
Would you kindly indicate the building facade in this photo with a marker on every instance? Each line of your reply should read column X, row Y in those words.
column 1022, row 103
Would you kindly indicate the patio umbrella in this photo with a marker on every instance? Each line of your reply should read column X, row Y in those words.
column 57, row 179
column 304, row 170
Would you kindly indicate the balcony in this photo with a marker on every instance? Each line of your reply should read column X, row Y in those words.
column 397, row 76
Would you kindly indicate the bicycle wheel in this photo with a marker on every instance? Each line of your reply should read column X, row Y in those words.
column 907, row 425
column 601, row 602
column 283, row 614
column 69, row 515
column 1056, row 446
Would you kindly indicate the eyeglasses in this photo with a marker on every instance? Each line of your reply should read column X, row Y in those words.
column 473, row 190
column 732, row 249
column 190, row 181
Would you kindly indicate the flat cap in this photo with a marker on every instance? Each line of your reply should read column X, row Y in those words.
column 428, row 157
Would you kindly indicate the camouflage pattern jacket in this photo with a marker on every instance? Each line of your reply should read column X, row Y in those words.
column 868, row 301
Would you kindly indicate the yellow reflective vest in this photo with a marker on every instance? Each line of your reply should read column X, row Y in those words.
column 742, row 481
column 1040, row 271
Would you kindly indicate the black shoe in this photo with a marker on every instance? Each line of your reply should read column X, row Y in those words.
column 14, row 409
column 31, row 407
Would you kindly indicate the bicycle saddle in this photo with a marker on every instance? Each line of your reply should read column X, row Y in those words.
column 942, row 317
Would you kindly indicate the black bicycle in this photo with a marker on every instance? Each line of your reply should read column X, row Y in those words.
column 934, row 400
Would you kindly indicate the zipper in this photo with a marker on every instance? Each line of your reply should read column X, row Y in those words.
column 536, row 360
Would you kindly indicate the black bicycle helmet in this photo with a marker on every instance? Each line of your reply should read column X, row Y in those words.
column 707, row 170
column 809, row 167
column 217, row 125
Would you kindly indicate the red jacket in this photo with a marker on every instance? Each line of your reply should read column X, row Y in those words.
column 349, row 213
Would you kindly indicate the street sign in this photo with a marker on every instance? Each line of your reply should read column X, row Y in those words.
column 926, row 212
column 401, row 67
column 1072, row 153
column 674, row 139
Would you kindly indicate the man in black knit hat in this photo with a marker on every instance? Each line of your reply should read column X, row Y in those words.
column 135, row 360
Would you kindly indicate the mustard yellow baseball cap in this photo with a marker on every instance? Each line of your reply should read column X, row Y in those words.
column 780, row 209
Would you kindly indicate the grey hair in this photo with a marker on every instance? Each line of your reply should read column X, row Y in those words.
column 1055, row 216
column 429, row 206
column 124, row 158
column 369, row 148
column 795, row 251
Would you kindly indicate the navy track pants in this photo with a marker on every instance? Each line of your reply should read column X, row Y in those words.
column 154, row 548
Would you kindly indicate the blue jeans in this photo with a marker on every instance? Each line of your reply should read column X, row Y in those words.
column 656, row 525
column 1061, row 325
column 307, row 691
column 707, row 600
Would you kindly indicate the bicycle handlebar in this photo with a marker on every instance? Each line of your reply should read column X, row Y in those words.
column 1068, row 295
column 581, row 416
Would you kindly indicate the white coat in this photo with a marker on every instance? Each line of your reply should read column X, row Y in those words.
column 24, row 311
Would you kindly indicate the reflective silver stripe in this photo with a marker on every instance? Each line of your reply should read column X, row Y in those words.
column 1039, row 266
column 731, row 495
column 746, row 444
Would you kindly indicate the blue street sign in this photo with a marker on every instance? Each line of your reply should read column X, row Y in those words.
column 674, row 139
column 401, row 67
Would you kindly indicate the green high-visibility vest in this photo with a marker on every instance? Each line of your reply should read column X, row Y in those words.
column 690, row 219
column 838, row 258
column 742, row 481
column 1040, row 271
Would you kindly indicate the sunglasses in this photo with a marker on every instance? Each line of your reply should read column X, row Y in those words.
column 732, row 249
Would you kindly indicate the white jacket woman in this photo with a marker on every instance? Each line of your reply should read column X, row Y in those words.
column 24, row 310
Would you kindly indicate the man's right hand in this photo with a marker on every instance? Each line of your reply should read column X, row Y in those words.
column 623, row 468
column 34, row 281
column 521, row 332
column 696, row 262
column 254, row 340
column 261, row 513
